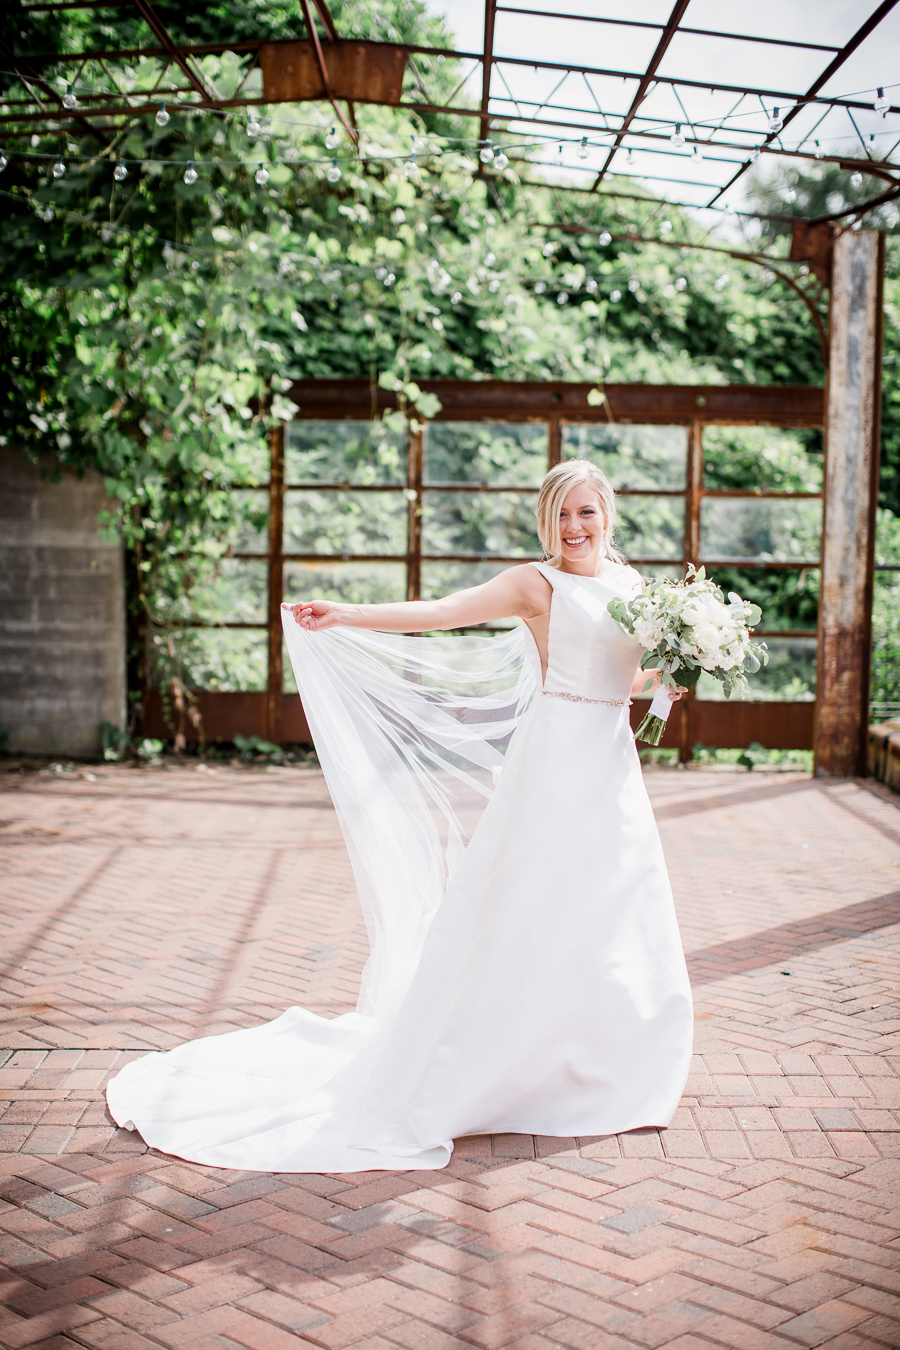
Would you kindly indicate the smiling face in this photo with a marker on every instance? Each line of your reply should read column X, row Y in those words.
column 582, row 531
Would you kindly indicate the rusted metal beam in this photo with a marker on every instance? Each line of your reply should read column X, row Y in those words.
column 662, row 46
column 658, row 27
column 275, row 676
column 160, row 32
column 851, row 484
column 727, row 405
column 487, row 63
column 323, row 69
column 859, row 36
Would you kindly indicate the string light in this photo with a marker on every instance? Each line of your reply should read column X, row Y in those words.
column 253, row 126
column 562, row 298
column 419, row 146
column 676, row 138
column 558, row 160
column 605, row 238
column 790, row 195
column 59, row 168
column 410, row 168
column 486, row 153
column 332, row 140
column 582, row 152
column 881, row 103
column 190, row 173
column 70, row 100
column 501, row 161
column 615, row 296
column 162, row 118
column 754, row 154
column 120, row 173
column 3, row 161
column 629, row 158
column 47, row 213
column 665, row 227
column 333, row 173
column 818, row 150
column 775, row 122
column 261, row 175
column 856, row 179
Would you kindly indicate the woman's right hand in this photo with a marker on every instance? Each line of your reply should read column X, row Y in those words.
column 315, row 615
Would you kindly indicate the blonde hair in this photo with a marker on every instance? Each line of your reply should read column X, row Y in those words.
column 556, row 487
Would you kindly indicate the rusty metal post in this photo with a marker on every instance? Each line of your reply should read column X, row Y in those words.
column 415, row 457
column 276, row 584
column 685, row 710
column 852, row 438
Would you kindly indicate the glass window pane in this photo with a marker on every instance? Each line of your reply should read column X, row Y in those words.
column 486, row 452
column 742, row 527
column 787, row 599
column 221, row 658
column 762, row 459
column 344, row 452
column 651, row 527
column 441, row 578
column 251, row 530
column 239, row 594
column 789, row 676
column 631, row 456
column 480, row 522
column 345, row 522
column 349, row 582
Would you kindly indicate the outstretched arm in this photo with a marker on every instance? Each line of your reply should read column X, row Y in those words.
column 519, row 592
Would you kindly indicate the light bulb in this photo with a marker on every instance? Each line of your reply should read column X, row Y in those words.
column 410, row 168
column 261, row 175
column 754, row 154
column 332, row 140
column 629, row 158
column 615, row 296
column 676, row 137
column 665, row 227
column 486, row 153
column 253, row 127
column 856, row 179
column 419, row 146
column 790, row 195
column 819, row 151
column 3, row 161
column 333, row 173
column 582, row 152
column 162, row 118
column 70, row 101
column 605, row 238
column 120, row 173
column 190, row 173
column 881, row 103
column 47, row 213
column 558, row 160
column 775, row 122
column 501, row 161
column 58, row 169
column 590, row 285
column 562, row 298
column 389, row 279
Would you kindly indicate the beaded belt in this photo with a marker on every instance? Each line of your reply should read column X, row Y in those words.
column 579, row 698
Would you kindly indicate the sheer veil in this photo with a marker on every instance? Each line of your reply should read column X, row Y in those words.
column 411, row 733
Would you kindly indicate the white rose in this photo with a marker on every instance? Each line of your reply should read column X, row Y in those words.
column 706, row 636
column 693, row 610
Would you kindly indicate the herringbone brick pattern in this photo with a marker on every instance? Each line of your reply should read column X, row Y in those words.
column 142, row 907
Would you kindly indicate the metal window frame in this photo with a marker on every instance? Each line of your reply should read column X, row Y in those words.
column 777, row 724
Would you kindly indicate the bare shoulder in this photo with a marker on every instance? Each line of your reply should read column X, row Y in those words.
column 530, row 588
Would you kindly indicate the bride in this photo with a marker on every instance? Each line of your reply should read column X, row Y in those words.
column 526, row 973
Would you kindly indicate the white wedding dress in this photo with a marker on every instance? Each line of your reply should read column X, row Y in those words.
column 526, row 972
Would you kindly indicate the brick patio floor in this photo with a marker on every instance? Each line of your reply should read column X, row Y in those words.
column 141, row 907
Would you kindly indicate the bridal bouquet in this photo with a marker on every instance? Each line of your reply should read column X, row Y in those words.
column 685, row 627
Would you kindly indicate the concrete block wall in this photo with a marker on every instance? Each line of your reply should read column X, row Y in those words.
column 62, row 613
